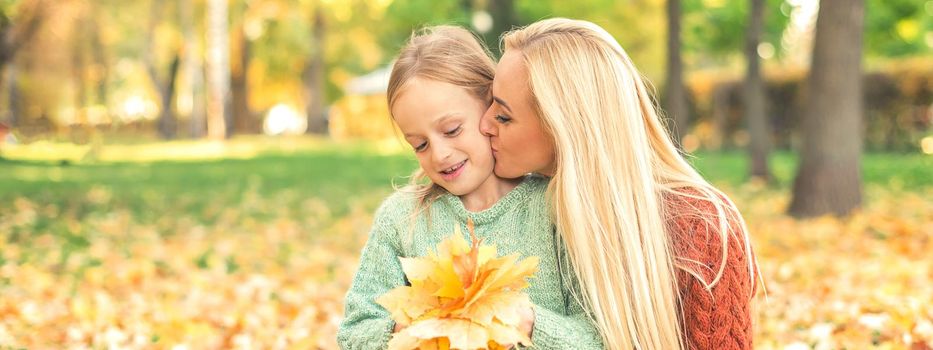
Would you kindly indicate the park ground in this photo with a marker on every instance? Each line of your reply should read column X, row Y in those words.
column 252, row 243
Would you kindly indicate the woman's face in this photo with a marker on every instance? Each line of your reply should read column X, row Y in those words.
column 439, row 121
column 517, row 136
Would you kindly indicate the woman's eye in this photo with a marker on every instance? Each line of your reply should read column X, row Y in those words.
column 421, row 147
column 502, row 118
column 454, row 131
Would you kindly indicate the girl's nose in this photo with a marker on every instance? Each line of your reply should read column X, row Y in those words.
column 440, row 152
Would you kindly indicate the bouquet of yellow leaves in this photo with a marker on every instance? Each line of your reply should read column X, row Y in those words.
column 461, row 297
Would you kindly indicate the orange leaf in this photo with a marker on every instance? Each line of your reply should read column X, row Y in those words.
column 461, row 296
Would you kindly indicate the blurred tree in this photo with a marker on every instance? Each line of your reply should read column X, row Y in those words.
column 279, row 44
column 193, row 69
column 405, row 16
column 239, row 67
column 714, row 31
column 303, row 53
column 313, row 73
column 829, row 177
column 898, row 27
column 218, row 70
column 756, row 110
column 634, row 23
column 87, row 62
column 100, row 70
column 469, row 9
column 19, row 21
column 675, row 95
column 167, row 120
column 14, row 108
column 79, row 65
column 164, row 83
column 503, row 19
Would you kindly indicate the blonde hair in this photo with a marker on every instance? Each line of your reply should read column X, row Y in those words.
column 446, row 54
column 615, row 166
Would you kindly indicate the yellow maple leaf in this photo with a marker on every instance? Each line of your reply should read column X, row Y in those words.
column 462, row 296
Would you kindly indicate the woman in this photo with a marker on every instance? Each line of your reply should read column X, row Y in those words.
column 662, row 258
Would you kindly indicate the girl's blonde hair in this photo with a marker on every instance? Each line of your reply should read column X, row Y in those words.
column 446, row 54
column 616, row 165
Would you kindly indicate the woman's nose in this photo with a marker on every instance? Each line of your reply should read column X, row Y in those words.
column 487, row 125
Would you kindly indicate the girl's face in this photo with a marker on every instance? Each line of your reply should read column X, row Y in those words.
column 519, row 141
column 441, row 123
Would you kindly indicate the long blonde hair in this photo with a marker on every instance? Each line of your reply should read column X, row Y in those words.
column 446, row 54
column 615, row 166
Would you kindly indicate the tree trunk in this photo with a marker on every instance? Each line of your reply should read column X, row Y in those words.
column 218, row 70
column 167, row 123
column 720, row 117
column 467, row 6
column 675, row 96
column 14, row 103
column 165, row 87
column 194, row 70
column 829, row 177
column 313, row 77
column 6, row 113
column 102, row 72
column 759, row 130
column 12, row 37
column 99, row 53
column 239, row 85
column 503, row 18
column 15, row 35
column 78, row 66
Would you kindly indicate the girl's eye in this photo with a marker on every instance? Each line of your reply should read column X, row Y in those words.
column 421, row 147
column 502, row 118
column 454, row 131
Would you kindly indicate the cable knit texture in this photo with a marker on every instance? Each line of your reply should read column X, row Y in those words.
column 520, row 223
column 719, row 318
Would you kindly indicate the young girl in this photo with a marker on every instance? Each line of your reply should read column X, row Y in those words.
column 438, row 91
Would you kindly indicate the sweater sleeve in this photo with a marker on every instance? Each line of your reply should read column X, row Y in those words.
column 553, row 330
column 570, row 329
column 717, row 318
column 366, row 324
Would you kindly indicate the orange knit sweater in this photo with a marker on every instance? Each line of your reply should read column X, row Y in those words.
column 720, row 318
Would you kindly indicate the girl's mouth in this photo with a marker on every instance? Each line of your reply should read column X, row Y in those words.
column 454, row 171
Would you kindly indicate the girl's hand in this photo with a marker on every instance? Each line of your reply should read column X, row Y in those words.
column 527, row 324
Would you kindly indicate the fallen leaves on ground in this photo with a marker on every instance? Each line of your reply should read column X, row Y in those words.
column 116, row 278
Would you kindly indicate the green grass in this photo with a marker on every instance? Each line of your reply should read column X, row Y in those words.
column 895, row 171
column 339, row 174
column 151, row 189
column 270, row 184
column 63, row 192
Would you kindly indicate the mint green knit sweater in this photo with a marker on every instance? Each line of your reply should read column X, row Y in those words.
column 518, row 223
